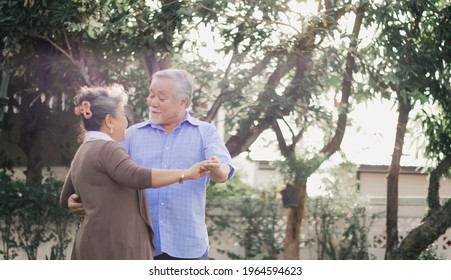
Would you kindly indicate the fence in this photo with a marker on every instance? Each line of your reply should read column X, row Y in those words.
column 250, row 228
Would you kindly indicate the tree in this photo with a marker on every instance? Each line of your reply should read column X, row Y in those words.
column 50, row 49
column 408, row 57
column 437, row 126
column 301, row 169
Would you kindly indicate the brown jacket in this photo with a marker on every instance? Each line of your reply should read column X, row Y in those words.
column 117, row 223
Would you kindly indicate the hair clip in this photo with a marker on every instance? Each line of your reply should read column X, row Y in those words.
column 84, row 109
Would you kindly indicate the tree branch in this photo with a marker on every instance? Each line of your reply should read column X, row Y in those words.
column 335, row 143
column 245, row 136
column 225, row 92
column 433, row 197
column 68, row 55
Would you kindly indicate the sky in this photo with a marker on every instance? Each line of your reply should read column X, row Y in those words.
column 368, row 140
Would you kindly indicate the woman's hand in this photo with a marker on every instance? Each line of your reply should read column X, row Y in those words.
column 198, row 170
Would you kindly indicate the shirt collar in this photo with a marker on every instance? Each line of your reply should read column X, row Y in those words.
column 188, row 118
column 97, row 135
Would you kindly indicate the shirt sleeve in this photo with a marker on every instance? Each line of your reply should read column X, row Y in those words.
column 214, row 146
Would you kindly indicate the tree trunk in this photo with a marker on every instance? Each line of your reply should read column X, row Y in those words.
column 294, row 222
column 34, row 162
column 35, row 112
column 34, row 122
column 435, row 224
column 425, row 234
column 393, row 177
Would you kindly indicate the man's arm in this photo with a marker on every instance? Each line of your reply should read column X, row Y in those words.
column 76, row 206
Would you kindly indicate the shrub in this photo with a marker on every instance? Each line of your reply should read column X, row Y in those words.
column 248, row 216
column 30, row 216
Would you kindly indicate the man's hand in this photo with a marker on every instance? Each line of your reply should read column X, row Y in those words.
column 76, row 206
column 219, row 170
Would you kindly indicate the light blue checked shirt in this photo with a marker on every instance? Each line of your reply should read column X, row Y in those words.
column 177, row 211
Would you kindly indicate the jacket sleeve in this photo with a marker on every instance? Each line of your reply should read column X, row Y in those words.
column 122, row 169
column 67, row 190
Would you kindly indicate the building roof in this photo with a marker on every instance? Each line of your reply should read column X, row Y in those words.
column 364, row 168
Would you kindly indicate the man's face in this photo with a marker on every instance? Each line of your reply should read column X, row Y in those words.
column 164, row 108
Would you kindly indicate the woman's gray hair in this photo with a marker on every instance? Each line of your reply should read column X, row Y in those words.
column 103, row 101
column 184, row 83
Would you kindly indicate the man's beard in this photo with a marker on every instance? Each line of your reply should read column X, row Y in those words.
column 155, row 120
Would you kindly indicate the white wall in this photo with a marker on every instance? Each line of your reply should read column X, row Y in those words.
column 410, row 185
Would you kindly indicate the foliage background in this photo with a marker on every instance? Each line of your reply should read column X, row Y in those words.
column 278, row 70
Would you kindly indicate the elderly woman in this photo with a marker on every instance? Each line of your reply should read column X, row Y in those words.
column 117, row 223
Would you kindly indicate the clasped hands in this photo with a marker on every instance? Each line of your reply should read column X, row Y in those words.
column 210, row 165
